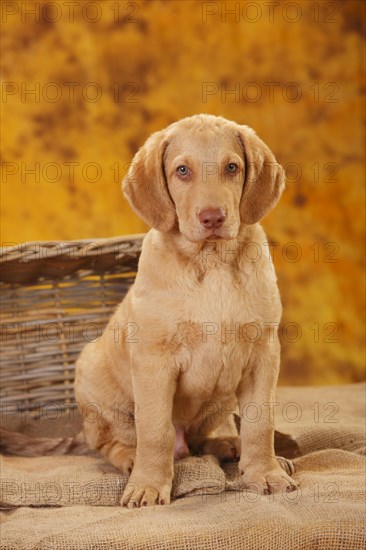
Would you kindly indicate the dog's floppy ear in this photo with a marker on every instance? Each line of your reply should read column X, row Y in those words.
column 145, row 186
column 264, row 178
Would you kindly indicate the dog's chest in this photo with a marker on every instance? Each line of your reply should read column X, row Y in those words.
column 218, row 308
column 215, row 336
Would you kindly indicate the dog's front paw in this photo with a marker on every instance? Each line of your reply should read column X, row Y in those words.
column 142, row 491
column 266, row 481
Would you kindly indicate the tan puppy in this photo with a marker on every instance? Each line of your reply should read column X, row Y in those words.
column 196, row 335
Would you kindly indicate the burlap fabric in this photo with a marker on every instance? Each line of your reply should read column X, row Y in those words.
column 71, row 501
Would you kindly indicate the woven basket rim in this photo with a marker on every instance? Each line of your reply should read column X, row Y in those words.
column 34, row 260
column 11, row 252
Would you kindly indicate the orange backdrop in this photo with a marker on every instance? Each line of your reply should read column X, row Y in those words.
column 84, row 84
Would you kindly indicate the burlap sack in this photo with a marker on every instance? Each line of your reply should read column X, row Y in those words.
column 71, row 502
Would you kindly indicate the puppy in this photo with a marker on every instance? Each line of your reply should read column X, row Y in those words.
column 195, row 338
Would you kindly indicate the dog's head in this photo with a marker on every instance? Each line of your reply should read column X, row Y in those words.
column 204, row 175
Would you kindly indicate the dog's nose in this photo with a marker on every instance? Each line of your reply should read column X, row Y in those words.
column 211, row 218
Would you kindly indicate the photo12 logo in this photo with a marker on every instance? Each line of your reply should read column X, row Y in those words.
column 270, row 91
column 69, row 11
column 70, row 92
column 271, row 12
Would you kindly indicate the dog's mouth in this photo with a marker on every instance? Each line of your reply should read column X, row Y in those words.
column 210, row 235
column 214, row 237
column 218, row 234
column 199, row 234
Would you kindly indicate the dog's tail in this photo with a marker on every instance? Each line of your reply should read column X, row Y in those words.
column 15, row 443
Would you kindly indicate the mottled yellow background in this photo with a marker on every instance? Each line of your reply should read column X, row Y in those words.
column 84, row 83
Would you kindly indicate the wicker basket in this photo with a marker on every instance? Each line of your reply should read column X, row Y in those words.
column 56, row 296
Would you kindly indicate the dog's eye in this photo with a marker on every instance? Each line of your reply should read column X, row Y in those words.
column 182, row 170
column 232, row 168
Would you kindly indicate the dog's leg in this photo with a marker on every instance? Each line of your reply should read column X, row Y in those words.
column 111, row 430
column 115, row 440
column 260, row 471
column 154, row 385
column 218, row 435
column 120, row 455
